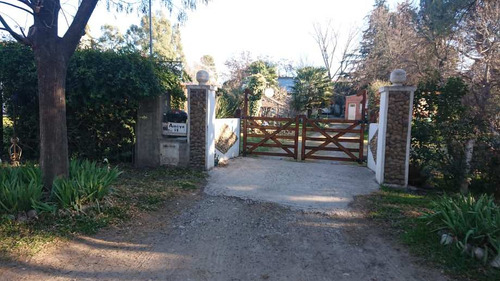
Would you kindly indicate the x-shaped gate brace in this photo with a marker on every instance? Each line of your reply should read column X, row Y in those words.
column 329, row 139
column 271, row 136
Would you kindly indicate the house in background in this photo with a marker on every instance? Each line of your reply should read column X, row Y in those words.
column 354, row 106
column 272, row 108
column 287, row 83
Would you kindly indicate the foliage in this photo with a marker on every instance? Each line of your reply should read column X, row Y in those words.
column 134, row 192
column 399, row 213
column 166, row 38
column 261, row 76
column 227, row 103
column 374, row 99
column 456, row 134
column 312, row 89
column 471, row 221
column 87, row 183
column 441, row 126
column 257, row 76
column 103, row 90
column 20, row 188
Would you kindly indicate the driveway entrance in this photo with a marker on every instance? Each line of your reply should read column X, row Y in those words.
column 313, row 186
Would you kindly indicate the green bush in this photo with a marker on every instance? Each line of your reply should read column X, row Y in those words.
column 103, row 90
column 20, row 188
column 87, row 183
column 471, row 221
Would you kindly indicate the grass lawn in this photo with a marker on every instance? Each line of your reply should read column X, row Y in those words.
column 399, row 212
column 134, row 192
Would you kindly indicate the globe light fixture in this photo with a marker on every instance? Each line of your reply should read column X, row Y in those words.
column 269, row 92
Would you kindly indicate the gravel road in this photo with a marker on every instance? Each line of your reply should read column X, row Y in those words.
column 202, row 237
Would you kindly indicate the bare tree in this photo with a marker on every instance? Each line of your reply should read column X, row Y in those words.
column 327, row 39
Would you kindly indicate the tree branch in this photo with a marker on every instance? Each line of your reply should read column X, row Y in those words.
column 15, row 6
column 16, row 36
column 77, row 27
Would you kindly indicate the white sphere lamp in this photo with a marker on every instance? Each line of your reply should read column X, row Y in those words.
column 202, row 77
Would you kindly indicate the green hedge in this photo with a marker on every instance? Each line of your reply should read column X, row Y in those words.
column 102, row 94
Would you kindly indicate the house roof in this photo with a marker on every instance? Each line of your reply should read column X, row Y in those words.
column 287, row 83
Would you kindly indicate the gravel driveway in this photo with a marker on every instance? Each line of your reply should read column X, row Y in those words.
column 205, row 237
column 323, row 186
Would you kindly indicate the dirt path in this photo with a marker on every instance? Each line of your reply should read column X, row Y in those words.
column 202, row 237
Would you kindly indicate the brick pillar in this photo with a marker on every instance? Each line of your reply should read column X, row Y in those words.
column 394, row 133
column 201, row 99
column 148, row 133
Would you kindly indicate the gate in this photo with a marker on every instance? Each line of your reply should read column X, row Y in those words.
column 271, row 132
column 330, row 139
column 323, row 139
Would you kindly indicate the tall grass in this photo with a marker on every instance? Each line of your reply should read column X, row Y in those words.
column 87, row 182
column 20, row 188
column 471, row 221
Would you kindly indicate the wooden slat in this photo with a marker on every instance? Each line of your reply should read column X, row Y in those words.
column 270, row 153
column 356, row 140
column 271, row 145
column 330, row 158
column 330, row 121
column 333, row 148
column 333, row 130
column 277, row 136
column 280, row 119
column 269, row 127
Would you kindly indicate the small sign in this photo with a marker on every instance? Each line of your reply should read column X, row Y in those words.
column 174, row 129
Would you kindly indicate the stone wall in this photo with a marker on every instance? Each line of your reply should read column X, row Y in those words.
column 396, row 138
column 148, row 133
column 197, row 126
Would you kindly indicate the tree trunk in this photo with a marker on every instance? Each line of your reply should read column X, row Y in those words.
column 52, row 64
column 1, row 125
column 469, row 151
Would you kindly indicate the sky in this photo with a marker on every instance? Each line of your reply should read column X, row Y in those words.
column 277, row 29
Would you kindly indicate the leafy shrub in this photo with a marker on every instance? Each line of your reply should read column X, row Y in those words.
column 103, row 90
column 87, row 182
column 20, row 188
column 470, row 221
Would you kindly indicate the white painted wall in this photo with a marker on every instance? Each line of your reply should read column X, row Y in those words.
column 210, row 133
column 234, row 124
column 371, row 161
column 382, row 128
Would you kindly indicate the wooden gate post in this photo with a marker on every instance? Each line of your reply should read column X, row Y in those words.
column 245, row 122
column 362, row 129
column 304, row 136
column 296, row 140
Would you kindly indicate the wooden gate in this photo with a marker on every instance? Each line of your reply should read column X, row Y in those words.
column 324, row 139
column 331, row 139
column 271, row 136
